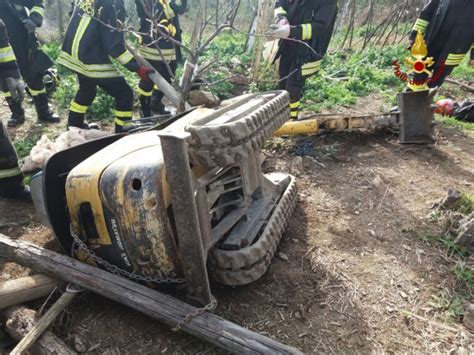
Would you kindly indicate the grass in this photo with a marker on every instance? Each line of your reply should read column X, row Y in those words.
column 23, row 146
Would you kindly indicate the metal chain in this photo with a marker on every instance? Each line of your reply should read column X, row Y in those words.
column 209, row 307
column 114, row 269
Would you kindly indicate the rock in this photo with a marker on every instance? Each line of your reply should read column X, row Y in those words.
column 452, row 201
column 403, row 295
column 296, row 165
column 203, row 98
column 465, row 233
column 235, row 62
column 468, row 319
column 283, row 256
column 79, row 344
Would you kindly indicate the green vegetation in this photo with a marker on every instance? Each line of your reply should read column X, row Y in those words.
column 23, row 146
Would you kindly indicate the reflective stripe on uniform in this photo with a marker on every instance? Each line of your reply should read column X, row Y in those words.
column 294, row 114
column 280, row 11
column 123, row 114
column 158, row 55
column 294, row 105
column 98, row 71
column 421, row 25
column 454, row 59
column 169, row 13
column 306, row 31
column 75, row 107
column 142, row 92
column 169, row 27
column 6, row 54
column 38, row 9
column 122, row 123
column 36, row 92
column 81, row 29
column 125, row 57
column 8, row 173
column 310, row 68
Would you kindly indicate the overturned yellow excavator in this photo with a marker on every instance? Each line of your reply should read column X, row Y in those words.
column 179, row 203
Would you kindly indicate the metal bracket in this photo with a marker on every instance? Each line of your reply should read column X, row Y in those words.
column 186, row 215
column 416, row 117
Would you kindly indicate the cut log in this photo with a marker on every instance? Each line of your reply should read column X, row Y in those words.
column 25, row 289
column 43, row 323
column 20, row 320
column 167, row 309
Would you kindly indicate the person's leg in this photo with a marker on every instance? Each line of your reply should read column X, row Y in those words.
column 157, row 105
column 145, row 90
column 283, row 70
column 83, row 99
column 18, row 114
column 40, row 98
column 119, row 89
column 294, row 86
column 11, row 178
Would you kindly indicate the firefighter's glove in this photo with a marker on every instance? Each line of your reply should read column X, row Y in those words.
column 144, row 73
column 16, row 88
column 283, row 21
column 279, row 31
column 30, row 25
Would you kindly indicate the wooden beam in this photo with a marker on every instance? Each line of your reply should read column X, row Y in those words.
column 167, row 309
column 25, row 289
column 456, row 82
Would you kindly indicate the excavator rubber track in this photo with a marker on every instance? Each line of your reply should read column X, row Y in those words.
column 227, row 144
column 243, row 266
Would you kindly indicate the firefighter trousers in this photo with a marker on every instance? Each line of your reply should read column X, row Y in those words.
column 11, row 178
column 291, row 80
column 116, row 87
column 150, row 95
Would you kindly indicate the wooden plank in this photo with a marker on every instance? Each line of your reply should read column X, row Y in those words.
column 40, row 327
column 167, row 309
column 25, row 289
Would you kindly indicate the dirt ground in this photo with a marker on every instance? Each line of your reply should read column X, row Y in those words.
column 356, row 271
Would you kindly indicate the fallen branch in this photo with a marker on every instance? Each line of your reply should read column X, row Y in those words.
column 39, row 328
column 465, row 86
column 20, row 320
column 167, row 309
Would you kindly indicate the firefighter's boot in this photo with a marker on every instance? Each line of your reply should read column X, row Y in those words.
column 156, row 104
column 145, row 106
column 42, row 109
column 18, row 113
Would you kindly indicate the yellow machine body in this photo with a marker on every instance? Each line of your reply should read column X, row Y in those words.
column 118, row 201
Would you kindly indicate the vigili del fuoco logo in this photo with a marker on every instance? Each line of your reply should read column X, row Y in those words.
column 418, row 63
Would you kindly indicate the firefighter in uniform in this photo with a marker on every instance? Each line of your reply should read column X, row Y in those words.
column 11, row 179
column 90, row 41
column 311, row 22
column 32, row 62
column 158, row 19
column 448, row 29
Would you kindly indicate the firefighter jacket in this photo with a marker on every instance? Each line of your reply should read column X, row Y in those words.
column 31, row 60
column 312, row 21
column 160, row 16
column 92, row 38
column 8, row 65
column 448, row 28
column 10, row 173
